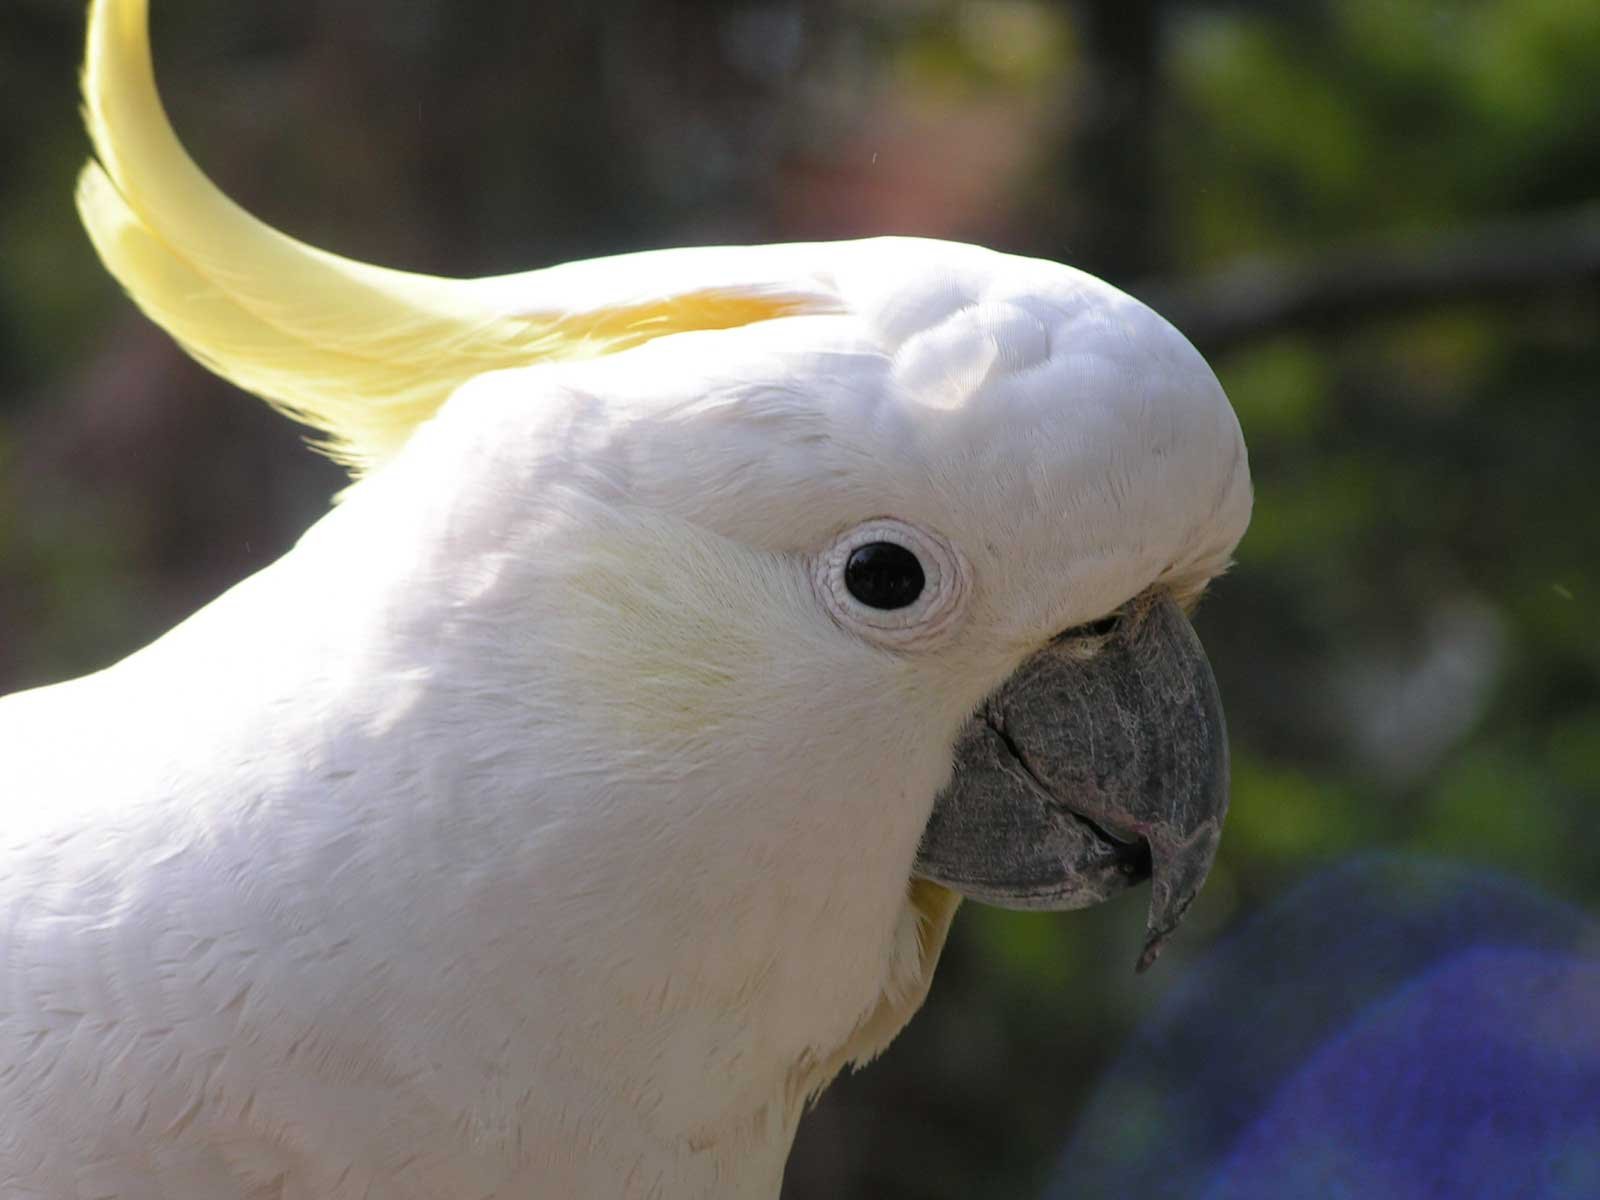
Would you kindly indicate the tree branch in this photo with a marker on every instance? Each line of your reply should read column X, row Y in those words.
column 1499, row 263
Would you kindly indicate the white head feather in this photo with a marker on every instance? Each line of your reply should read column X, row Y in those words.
column 542, row 821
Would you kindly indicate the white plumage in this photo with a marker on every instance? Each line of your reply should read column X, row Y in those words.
column 538, row 826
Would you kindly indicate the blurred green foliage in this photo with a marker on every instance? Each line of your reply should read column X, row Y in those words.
column 1407, row 645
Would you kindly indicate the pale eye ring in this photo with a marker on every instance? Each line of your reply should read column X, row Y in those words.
column 894, row 583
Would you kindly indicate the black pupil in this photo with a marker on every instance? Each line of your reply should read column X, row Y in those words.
column 884, row 575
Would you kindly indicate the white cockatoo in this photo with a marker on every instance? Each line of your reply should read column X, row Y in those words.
column 601, row 775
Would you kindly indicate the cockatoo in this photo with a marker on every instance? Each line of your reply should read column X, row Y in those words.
column 601, row 775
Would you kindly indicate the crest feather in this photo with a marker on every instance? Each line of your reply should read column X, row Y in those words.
column 363, row 354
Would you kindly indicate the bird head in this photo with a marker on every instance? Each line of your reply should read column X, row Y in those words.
column 817, row 585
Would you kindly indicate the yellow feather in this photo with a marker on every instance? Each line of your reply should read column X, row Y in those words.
column 361, row 353
column 932, row 908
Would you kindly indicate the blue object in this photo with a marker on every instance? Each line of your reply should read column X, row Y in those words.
column 1394, row 1028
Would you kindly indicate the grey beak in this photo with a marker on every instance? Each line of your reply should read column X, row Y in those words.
column 1079, row 777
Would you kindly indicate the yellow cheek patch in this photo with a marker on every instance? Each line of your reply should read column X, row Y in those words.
column 669, row 631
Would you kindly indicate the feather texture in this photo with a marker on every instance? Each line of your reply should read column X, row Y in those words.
column 363, row 354
column 537, row 826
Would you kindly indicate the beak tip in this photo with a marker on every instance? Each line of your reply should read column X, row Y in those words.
column 1167, row 910
column 1155, row 942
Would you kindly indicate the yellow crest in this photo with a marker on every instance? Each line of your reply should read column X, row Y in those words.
column 361, row 353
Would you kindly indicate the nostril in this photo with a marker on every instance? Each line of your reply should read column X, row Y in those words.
column 1104, row 627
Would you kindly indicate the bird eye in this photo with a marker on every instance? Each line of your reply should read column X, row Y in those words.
column 893, row 583
column 884, row 575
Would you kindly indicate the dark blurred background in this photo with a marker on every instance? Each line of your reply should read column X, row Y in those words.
column 1377, row 217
